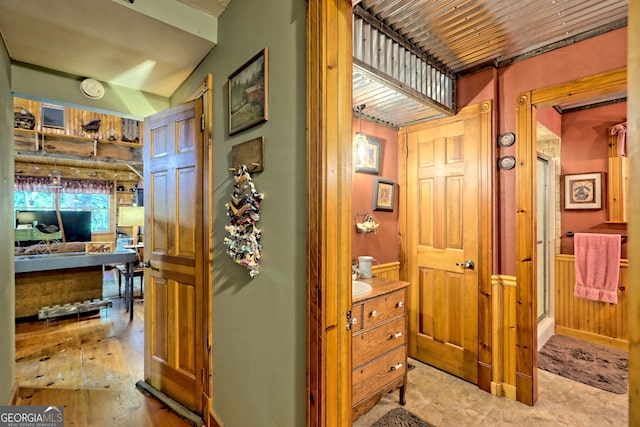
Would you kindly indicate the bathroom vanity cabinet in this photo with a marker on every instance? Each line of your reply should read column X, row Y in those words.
column 378, row 347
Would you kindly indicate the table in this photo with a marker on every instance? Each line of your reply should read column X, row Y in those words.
column 71, row 260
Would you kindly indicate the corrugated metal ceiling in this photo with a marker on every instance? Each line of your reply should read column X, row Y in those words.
column 466, row 35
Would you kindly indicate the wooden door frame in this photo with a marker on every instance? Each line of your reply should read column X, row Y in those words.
column 485, row 260
column 526, row 263
column 329, row 114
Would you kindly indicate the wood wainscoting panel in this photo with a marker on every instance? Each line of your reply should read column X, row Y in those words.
column 504, row 336
column 594, row 321
column 389, row 270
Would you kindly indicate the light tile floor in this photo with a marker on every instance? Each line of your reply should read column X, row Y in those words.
column 445, row 400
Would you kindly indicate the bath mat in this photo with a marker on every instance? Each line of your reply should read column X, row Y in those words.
column 400, row 417
column 596, row 365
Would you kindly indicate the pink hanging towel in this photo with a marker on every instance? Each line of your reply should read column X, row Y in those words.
column 597, row 258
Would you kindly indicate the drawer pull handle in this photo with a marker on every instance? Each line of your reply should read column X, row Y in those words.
column 396, row 335
column 354, row 320
column 399, row 304
column 396, row 367
column 373, row 313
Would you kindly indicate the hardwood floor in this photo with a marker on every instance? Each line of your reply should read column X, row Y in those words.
column 90, row 366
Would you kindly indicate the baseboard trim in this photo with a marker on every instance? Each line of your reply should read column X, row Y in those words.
column 509, row 391
column 594, row 338
column 503, row 390
column 214, row 420
column 15, row 395
column 174, row 405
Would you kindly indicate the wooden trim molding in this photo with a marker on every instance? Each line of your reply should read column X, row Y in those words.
column 526, row 253
column 15, row 395
column 389, row 270
column 485, row 309
column 329, row 114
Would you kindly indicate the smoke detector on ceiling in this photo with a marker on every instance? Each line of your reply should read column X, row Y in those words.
column 91, row 88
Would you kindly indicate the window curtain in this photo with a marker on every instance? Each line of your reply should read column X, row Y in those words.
column 78, row 186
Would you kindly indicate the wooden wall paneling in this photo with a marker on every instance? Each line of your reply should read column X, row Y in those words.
column 593, row 321
column 329, row 114
column 504, row 336
column 389, row 270
column 74, row 119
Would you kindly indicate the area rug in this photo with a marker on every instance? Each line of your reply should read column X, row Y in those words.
column 596, row 365
column 400, row 417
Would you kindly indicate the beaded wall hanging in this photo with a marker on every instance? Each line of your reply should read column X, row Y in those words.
column 243, row 241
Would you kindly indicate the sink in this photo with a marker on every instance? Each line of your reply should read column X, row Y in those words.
column 359, row 288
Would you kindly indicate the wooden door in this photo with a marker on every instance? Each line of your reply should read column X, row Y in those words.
column 443, row 242
column 175, row 322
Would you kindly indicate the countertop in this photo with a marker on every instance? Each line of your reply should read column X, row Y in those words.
column 381, row 286
column 43, row 262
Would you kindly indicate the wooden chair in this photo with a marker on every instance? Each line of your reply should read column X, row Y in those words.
column 138, row 271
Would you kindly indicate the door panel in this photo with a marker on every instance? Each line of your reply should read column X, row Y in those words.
column 442, row 226
column 174, row 283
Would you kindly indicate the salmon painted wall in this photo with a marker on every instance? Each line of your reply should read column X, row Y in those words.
column 551, row 119
column 585, row 149
column 585, row 58
column 383, row 245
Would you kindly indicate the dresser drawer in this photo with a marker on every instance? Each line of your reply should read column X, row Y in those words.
column 383, row 308
column 374, row 342
column 369, row 378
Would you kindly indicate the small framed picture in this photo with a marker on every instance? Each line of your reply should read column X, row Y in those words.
column 583, row 191
column 248, row 93
column 367, row 154
column 384, row 191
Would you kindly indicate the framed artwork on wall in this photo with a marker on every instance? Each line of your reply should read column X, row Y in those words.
column 367, row 154
column 248, row 93
column 384, row 191
column 583, row 191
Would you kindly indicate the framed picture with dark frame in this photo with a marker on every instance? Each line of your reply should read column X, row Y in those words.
column 367, row 154
column 583, row 191
column 248, row 93
column 384, row 192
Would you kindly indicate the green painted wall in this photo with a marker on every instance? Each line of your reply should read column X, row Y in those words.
column 40, row 83
column 7, row 293
column 259, row 325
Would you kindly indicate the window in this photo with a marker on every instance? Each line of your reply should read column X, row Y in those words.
column 31, row 194
column 98, row 204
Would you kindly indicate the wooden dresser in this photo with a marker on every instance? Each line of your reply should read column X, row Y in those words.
column 378, row 348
